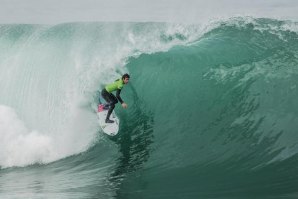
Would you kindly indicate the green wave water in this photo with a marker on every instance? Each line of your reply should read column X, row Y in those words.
column 212, row 110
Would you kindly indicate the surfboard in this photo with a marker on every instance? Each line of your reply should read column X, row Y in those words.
column 108, row 128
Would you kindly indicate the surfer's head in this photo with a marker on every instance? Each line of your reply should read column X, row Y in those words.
column 125, row 78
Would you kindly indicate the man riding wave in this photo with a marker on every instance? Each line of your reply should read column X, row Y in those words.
column 110, row 98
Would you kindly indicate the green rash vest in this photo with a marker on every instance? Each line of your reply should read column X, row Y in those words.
column 116, row 86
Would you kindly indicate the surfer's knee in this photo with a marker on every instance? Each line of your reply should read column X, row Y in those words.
column 115, row 101
column 112, row 105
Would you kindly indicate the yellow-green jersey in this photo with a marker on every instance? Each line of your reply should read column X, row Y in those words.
column 116, row 86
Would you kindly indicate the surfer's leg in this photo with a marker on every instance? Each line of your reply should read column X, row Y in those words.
column 107, row 98
column 109, row 113
column 112, row 106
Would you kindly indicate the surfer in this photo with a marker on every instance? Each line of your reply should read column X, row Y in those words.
column 110, row 97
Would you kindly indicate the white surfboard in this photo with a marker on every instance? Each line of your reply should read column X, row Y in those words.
column 108, row 128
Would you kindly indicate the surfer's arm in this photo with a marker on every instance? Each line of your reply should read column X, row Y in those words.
column 118, row 96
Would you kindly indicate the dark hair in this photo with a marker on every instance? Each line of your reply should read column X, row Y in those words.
column 125, row 76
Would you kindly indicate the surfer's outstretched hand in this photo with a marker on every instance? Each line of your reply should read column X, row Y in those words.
column 124, row 105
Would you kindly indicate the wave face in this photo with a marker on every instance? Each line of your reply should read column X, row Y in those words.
column 212, row 110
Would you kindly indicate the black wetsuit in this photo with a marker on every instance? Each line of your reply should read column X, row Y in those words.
column 111, row 100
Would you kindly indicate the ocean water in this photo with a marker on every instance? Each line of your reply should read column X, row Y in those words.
column 212, row 110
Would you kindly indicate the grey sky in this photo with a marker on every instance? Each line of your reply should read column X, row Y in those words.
column 188, row 11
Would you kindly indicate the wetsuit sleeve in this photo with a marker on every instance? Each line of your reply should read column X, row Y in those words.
column 118, row 95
